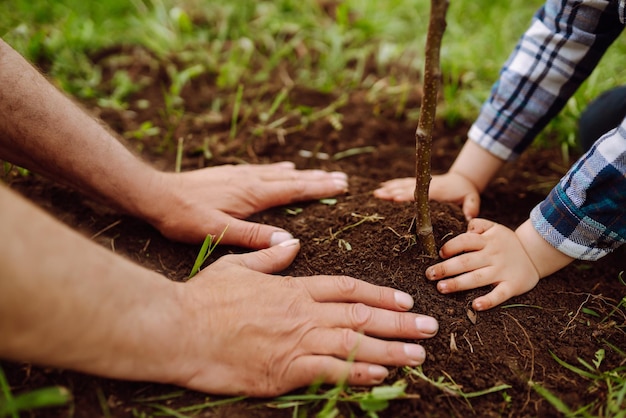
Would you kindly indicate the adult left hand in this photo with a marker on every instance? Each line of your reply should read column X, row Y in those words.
column 187, row 206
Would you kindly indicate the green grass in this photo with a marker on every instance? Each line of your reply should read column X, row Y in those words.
column 612, row 382
column 243, row 42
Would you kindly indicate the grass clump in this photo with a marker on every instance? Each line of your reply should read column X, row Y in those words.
column 611, row 382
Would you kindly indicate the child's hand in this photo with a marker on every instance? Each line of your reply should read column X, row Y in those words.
column 488, row 254
column 450, row 187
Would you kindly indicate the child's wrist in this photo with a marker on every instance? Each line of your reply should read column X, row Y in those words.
column 545, row 258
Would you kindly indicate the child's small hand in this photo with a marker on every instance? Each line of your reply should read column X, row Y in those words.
column 488, row 254
column 448, row 187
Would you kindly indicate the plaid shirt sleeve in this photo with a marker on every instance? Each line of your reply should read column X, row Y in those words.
column 584, row 216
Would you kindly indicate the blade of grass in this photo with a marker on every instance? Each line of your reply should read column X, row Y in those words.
column 236, row 106
column 208, row 246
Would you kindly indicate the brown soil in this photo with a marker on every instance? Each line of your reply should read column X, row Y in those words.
column 506, row 345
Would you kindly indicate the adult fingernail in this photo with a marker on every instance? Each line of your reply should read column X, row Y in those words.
column 280, row 237
column 289, row 242
column 427, row 324
column 286, row 164
column 341, row 184
column 404, row 300
column 415, row 353
column 339, row 175
column 378, row 373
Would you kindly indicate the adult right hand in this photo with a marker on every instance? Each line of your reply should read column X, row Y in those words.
column 450, row 187
column 249, row 332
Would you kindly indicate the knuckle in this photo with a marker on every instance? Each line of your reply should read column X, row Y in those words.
column 477, row 276
column 347, row 286
column 349, row 341
column 464, row 260
column 251, row 235
column 401, row 324
column 360, row 316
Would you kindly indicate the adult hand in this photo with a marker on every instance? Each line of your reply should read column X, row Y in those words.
column 188, row 206
column 488, row 254
column 253, row 333
column 450, row 187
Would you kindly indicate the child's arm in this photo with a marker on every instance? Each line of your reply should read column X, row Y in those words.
column 492, row 254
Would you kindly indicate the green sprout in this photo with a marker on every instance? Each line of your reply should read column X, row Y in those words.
column 208, row 246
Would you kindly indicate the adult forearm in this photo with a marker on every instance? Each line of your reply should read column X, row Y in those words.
column 43, row 130
column 66, row 302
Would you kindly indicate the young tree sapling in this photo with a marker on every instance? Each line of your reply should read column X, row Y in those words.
column 424, row 132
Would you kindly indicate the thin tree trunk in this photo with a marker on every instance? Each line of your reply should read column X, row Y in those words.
column 424, row 132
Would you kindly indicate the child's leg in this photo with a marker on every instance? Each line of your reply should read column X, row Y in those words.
column 603, row 114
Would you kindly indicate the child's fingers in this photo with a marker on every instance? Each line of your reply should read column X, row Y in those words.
column 471, row 205
column 460, row 264
column 466, row 281
column 463, row 243
column 501, row 293
column 479, row 225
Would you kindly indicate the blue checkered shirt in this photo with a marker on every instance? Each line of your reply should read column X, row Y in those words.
column 584, row 216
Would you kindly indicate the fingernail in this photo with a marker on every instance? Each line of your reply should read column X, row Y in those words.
column 404, row 300
column 279, row 237
column 377, row 373
column 479, row 306
column 430, row 273
column 341, row 184
column 339, row 175
column 427, row 324
column 415, row 353
column 289, row 242
column 442, row 287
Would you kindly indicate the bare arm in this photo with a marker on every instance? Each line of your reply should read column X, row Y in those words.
column 45, row 131
column 476, row 164
column 41, row 129
column 67, row 302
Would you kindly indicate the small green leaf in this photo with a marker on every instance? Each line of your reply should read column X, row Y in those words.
column 293, row 211
column 373, row 405
column 329, row 202
column 599, row 357
column 389, row 391
column 590, row 312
